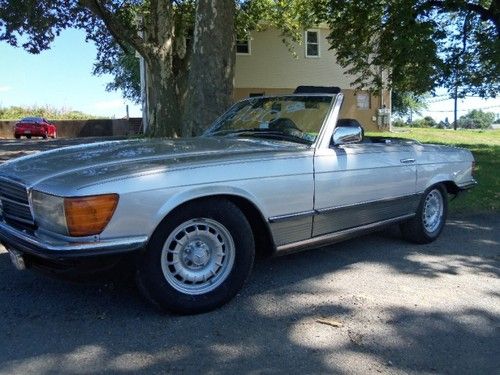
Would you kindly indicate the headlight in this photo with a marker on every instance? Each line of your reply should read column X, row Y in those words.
column 49, row 212
column 77, row 217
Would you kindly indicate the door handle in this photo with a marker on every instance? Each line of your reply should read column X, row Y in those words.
column 407, row 161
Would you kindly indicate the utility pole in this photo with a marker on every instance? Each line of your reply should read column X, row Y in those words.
column 455, row 110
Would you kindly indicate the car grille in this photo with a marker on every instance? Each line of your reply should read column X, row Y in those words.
column 15, row 202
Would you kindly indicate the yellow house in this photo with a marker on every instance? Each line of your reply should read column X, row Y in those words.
column 266, row 66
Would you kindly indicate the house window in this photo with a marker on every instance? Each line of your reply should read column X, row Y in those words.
column 255, row 94
column 363, row 100
column 243, row 46
column 312, row 43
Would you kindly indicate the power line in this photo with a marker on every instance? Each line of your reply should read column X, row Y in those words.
column 463, row 110
column 443, row 98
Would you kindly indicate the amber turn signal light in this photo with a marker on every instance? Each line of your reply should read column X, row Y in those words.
column 87, row 216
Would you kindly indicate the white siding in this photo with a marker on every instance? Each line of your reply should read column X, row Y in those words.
column 272, row 65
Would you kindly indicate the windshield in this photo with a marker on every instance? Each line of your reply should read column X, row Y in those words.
column 31, row 119
column 287, row 118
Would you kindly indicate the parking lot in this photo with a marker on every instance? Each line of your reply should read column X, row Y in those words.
column 375, row 304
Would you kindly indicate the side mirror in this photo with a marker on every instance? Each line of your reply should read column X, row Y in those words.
column 347, row 134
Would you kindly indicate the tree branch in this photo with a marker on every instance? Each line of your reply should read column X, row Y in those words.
column 491, row 14
column 118, row 30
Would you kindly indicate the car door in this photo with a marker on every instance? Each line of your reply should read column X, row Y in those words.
column 363, row 183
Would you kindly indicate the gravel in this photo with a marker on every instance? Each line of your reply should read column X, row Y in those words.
column 389, row 307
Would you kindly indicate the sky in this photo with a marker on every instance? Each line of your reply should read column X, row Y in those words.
column 440, row 107
column 62, row 78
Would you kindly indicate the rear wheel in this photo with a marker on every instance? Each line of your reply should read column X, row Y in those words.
column 199, row 258
column 429, row 221
column 28, row 136
column 17, row 136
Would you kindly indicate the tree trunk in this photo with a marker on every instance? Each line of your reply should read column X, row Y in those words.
column 163, row 101
column 210, row 81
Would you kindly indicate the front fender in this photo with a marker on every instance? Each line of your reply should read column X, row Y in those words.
column 185, row 196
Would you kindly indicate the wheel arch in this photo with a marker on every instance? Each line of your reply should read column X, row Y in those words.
column 451, row 187
column 445, row 180
column 264, row 243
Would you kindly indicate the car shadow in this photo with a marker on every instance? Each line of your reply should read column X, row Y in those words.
column 52, row 326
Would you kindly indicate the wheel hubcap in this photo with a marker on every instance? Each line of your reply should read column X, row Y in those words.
column 433, row 211
column 198, row 256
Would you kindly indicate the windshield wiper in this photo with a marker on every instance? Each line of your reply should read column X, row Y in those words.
column 240, row 131
column 261, row 133
column 277, row 135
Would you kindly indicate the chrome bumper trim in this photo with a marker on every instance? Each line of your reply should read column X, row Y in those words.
column 468, row 185
column 26, row 242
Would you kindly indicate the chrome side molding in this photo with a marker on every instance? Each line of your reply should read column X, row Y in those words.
column 297, row 215
column 331, row 238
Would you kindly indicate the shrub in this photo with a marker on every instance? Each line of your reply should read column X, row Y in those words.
column 399, row 123
column 426, row 122
column 50, row 113
column 476, row 119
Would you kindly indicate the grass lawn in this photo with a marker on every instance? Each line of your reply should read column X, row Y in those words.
column 485, row 145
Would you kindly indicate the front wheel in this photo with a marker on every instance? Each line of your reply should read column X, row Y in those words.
column 199, row 258
column 429, row 221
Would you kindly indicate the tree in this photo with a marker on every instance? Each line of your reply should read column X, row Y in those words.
column 419, row 44
column 160, row 31
column 406, row 104
column 124, row 67
column 188, row 46
column 476, row 119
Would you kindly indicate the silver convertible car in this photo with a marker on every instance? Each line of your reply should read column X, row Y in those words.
column 273, row 174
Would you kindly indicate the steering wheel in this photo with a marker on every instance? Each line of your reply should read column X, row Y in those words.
column 284, row 125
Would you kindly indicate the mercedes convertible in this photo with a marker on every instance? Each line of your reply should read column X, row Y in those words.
column 273, row 174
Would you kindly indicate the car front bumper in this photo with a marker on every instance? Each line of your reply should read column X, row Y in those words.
column 24, row 242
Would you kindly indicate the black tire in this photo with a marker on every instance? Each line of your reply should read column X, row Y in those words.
column 44, row 136
column 418, row 230
column 156, row 275
column 28, row 136
column 17, row 136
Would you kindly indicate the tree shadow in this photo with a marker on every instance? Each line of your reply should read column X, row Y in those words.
column 433, row 341
column 382, row 291
column 11, row 149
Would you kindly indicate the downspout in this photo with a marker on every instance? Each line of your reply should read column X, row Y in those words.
column 144, row 79
column 144, row 94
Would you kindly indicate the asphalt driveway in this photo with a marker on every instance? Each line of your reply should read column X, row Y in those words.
column 389, row 307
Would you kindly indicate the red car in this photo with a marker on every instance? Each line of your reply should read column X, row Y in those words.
column 35, row 127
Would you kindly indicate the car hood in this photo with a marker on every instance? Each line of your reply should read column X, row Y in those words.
column 91, row 163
